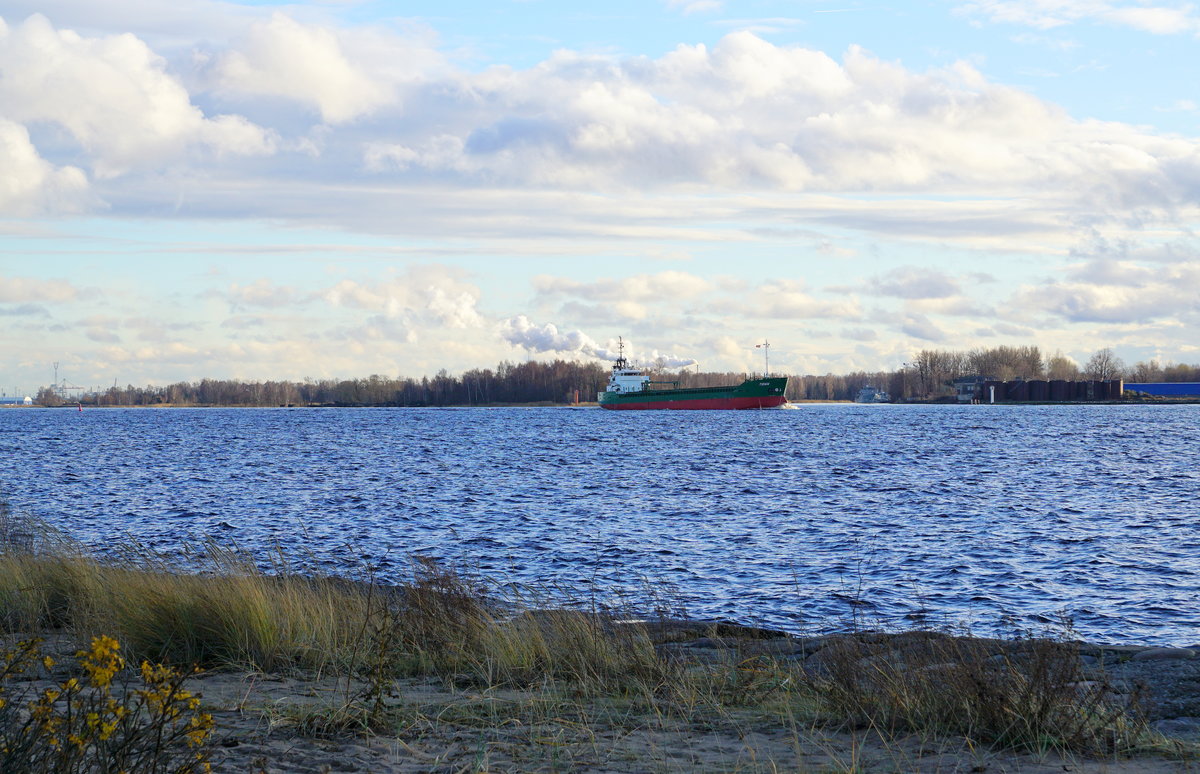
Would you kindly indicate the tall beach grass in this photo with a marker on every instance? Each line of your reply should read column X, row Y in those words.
column 228, row 613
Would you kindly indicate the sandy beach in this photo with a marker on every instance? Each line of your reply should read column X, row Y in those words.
column 300, row 723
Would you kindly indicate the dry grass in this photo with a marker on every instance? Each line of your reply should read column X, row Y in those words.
column 230, row 616
column 231, row 613
column 1030, row 695
column 577, row 671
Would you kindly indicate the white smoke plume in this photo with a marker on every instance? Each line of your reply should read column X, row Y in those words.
column 520, row 331
column 669, row 361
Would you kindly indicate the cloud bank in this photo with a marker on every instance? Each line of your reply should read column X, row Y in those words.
column 113, row 99
column 388, row 109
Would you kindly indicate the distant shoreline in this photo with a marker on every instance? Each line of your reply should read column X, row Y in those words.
column 593, row 404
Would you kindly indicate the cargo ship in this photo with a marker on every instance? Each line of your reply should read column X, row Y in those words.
column 630, row 389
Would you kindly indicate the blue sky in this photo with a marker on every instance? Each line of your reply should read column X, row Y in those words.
column 264, row 190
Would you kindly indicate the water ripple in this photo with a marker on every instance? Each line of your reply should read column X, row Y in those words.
column 997, row 517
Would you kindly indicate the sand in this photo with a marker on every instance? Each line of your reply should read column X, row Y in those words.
column 469, row 731
column 286, row 724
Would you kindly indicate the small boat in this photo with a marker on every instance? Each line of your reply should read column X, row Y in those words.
column 872, row 395
column 630, row 389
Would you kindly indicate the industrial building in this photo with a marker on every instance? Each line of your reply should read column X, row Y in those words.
column 980, row 390
column 1166, row 389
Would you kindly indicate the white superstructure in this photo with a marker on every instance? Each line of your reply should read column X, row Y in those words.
column 625, row 379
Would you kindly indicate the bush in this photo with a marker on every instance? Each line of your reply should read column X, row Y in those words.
column 101, row 720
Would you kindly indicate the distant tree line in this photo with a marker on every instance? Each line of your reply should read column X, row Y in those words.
column 530, row 382
column 931, row 372
column 929, row 375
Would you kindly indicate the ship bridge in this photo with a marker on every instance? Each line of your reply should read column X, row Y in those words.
column 627, row 380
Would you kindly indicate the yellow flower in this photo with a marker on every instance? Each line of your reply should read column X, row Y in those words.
column 107, row 729
column 47, row 662
column 199, row 727
column 102, row 661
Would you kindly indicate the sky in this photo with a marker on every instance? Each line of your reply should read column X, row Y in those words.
column 257, row 190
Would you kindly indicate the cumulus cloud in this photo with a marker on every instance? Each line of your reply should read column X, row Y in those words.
column 624, row 299
column 747, row 113
column 1111, row 291
column 790, row 300
column 343, row 73
column 113, row 96
column 30, row 185
column 424, row 296
column 741, row 115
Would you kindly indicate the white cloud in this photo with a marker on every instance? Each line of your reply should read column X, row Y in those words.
column 113, row 95
column 30, row 185
column 520, row 331
column 740, row 153
column 921, row 327
column 790, row 300
column 1110, row 291
column 914, row 282
column 748, row 114
column 102, row 335
column 1165, row 19
column 742, row 116
column 423, row 297
column 636, row 288
column 688, row 7
column 343, row 73
column 260, row 293
column 19, row 290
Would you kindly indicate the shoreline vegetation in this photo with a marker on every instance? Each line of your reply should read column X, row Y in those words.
column 1138, row 401
column 304, row 672
column 927, row 378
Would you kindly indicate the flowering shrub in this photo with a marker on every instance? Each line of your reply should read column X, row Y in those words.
column 101, row 721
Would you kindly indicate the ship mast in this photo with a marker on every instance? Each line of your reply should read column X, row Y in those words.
column 621, row 363
column 765, row 347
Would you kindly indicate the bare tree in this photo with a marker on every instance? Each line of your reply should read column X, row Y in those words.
column 1007, row 362
column 1104, row 365
column 1059, row 366
column 1146, row 372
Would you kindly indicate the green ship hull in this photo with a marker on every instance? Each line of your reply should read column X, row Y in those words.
column 751, row 394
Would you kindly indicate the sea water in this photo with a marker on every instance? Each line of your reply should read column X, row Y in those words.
column 999, row 518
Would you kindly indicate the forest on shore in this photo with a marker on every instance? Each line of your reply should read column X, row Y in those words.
column 929, row 375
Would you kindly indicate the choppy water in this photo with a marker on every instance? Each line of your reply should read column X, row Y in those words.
column 998, row 517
